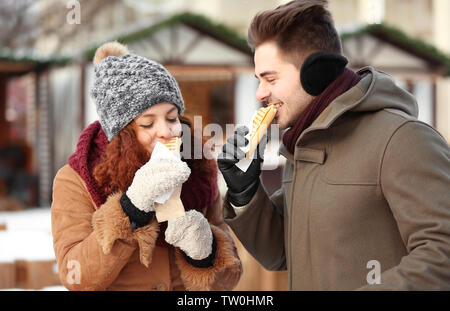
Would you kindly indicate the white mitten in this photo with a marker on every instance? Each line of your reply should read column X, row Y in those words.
column 155, row 178
column 191, row 233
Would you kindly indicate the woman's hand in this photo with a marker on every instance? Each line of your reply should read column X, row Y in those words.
column 153, row 179
column 192, row 234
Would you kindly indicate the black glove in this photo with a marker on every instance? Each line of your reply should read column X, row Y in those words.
column 137, row 217
column 242, row 186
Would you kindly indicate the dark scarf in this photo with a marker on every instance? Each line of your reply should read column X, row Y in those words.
column 198, row 192
column 342, row 84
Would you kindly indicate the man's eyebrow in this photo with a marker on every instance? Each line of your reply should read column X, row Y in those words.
column 265, row 73
column 152, row 115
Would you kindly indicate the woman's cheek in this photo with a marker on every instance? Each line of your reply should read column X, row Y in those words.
column 176, row 130
column 148, row 141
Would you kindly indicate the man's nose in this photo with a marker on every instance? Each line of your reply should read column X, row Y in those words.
column 262, row 93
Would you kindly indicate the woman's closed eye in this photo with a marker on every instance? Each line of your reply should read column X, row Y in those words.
column 146, row 125
column 151, row 124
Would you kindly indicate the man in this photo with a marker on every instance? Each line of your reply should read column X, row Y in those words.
column 365, row 196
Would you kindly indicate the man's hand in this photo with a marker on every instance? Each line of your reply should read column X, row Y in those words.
column 242, row 186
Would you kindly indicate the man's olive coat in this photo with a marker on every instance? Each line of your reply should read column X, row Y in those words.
column 366, row 190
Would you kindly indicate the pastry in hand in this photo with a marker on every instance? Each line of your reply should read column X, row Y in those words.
column 261, row 122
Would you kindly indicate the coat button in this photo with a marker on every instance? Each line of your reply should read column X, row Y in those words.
column 161, row 287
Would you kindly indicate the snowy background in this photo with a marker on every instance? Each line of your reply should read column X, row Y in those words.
column 27, row 237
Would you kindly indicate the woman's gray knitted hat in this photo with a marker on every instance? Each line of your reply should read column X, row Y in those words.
column 126, row 85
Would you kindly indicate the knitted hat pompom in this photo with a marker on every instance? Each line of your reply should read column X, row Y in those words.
column 109, row 49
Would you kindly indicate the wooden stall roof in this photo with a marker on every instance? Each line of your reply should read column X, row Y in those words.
column 196, row 22
column 437, row 61
column 13, row 64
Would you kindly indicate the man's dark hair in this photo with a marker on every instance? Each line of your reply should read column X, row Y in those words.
column 299, row 28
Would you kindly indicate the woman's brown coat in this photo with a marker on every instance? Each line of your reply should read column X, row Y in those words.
column 96, row 249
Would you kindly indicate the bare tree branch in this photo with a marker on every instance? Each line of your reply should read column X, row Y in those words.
column 52, row 20
column 16, row 22
column 23, row 22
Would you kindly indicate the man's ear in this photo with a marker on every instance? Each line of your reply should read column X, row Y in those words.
column 319, row 70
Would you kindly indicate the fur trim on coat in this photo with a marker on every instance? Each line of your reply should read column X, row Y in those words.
column 204, row 278
column 110, row 223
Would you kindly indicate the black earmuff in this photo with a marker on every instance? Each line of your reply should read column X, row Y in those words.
column 319, row 70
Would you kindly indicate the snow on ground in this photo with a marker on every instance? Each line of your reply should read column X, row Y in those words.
column 50, row 288
column 27, row 236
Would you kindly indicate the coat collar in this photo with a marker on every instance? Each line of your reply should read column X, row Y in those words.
column 342, row 104
column 337, row 108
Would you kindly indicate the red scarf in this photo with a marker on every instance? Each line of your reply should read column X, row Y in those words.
column 198, row 192
column 342, row 84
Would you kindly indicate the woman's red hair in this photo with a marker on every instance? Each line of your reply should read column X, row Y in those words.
column 124, row 155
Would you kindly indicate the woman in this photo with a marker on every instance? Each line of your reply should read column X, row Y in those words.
column 105, row 233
